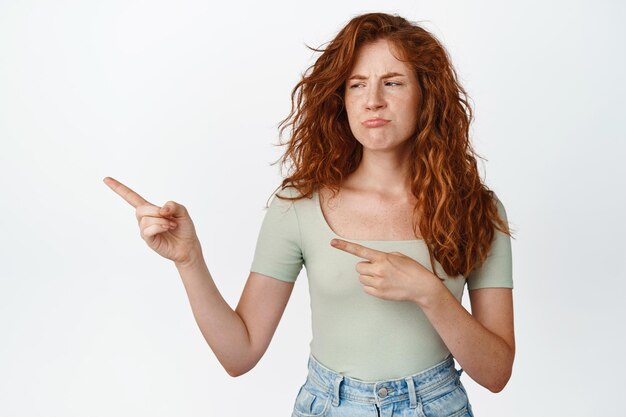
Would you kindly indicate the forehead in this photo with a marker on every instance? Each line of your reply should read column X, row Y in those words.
column 378, row 56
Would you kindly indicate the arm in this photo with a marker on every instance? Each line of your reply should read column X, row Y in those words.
column 482, row 342
column 238, row 338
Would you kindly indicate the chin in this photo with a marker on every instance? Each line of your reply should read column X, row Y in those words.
column 378, row 143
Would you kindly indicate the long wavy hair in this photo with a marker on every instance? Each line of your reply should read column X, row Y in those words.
column 455, row 212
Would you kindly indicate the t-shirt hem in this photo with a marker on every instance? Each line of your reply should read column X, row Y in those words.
column 273, row 274
column 491, row 286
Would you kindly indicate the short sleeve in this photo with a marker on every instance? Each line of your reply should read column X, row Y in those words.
column 497, row 270
column 278, row 251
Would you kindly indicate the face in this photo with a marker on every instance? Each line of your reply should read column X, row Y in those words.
column 381, row 98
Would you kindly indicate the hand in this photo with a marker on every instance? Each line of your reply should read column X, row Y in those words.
column 391, row 275
column 168, row 230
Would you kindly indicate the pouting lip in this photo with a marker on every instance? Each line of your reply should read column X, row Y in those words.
column 377, row 122
column 375, row 119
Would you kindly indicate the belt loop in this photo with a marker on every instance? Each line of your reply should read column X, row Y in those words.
column 411, row 387
column 336, row 384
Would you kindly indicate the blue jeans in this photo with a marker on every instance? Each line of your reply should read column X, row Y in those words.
column 434, row 392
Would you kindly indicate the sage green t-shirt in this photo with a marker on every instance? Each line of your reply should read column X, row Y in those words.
column 354, row 333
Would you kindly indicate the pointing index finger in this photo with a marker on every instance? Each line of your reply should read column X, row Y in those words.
column 356, row 249
column 126, row 193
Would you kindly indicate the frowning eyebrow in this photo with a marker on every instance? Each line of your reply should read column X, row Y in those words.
column 387, row 75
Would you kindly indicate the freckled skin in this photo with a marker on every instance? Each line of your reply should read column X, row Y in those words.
column 395, row 98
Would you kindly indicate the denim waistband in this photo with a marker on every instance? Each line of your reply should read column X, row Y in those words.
column 415, row 387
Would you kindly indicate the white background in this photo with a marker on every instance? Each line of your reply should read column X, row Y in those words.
column 181, row 101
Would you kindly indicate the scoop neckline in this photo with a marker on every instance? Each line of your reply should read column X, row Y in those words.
column 320, row 213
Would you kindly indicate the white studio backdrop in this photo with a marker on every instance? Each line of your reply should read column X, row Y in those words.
column 181, row 101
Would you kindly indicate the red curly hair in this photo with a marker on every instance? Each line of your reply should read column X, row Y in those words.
column 455, row 212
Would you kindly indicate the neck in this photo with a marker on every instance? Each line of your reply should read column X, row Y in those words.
column 382, row 172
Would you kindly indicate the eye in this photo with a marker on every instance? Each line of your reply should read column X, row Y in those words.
column 392, row 82
column 355, row 85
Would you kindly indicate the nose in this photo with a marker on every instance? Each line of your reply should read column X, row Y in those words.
column 375, row 99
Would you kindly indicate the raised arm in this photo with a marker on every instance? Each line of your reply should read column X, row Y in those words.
column 238, row 338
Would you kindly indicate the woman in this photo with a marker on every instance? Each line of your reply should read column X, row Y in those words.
column 386, row 210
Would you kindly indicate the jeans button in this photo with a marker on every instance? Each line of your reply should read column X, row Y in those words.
column 382, row 392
